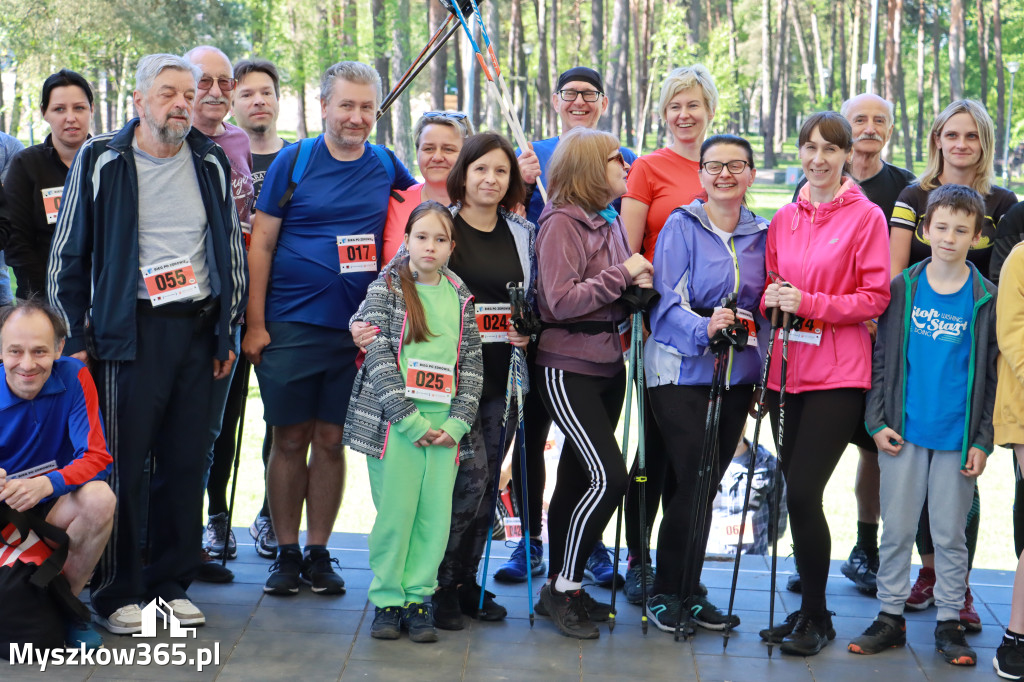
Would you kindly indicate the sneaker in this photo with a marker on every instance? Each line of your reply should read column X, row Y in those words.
column 1009, row 660
column 569, row 613
column 709, row 616
column 601, row 569
column 285, row 574
column 469, row 600
column 317, row 570
column 514, row 570
column 633, row 588
column 447, row 609
column 793, row 583
column 862, row 570
column 777, row 633
column 78, row 634
column 186, row 612
column 810, row 635
column 262, row 531
column 387, row 623
column 211, row 570
column 218, row 535
column 950, row 642
column 665, row 610
column 969, row 617
column 127, row 620
column 418, row 619
column 921, row 596
column 702, row 590
column 886, row 632
column 599, row 612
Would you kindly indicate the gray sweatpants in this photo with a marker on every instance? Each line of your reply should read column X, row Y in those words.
column 906, row 480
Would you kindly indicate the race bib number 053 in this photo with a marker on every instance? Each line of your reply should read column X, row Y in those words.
column 431, row 381
column 492, row 319
column 170, row 280
column 357, row 253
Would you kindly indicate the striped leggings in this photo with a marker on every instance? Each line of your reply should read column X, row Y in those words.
column 591, row 472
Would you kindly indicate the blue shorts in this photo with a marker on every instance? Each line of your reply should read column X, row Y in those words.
column 306, row 372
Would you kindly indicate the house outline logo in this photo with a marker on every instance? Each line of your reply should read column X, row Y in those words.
column 158, row 608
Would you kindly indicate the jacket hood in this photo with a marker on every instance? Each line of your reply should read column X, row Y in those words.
column 592, row 220
column 748, row 222
column 122, row 140
column 849, row 194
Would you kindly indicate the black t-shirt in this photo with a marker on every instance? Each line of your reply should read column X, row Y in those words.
column 883, row 188
column 487, row 262
column 260, row 164
column 1009, row 232
column 909, row 215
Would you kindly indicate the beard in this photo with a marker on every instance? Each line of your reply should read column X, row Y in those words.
column 168, row 132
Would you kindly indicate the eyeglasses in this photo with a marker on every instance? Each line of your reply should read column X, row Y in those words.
column 226, row 84
column 454, row 115
column 715, row 167
column 588, row 95
column 618, row 158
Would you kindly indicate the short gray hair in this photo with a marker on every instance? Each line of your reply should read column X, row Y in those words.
column 844, row 109
column 152, row 65
column 206, row 48
column 353, row 72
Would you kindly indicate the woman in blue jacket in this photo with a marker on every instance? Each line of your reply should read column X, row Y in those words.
column 707, row 251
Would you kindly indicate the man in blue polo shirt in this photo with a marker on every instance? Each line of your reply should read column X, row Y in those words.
column 315, row 244
column 53, row 457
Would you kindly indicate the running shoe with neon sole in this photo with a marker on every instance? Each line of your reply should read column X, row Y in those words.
column 950, row 642
column 886, row 632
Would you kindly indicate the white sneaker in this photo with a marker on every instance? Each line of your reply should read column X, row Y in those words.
column 127, row 620
column 187, row 612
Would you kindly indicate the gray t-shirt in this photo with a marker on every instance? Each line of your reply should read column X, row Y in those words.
column 172, row 217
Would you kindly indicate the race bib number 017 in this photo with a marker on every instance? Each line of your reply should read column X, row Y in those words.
column 170, row 280
column 431, row 381
column 492, row 319
column 357, row 253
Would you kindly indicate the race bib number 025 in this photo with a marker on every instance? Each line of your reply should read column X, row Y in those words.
column 357, row 253
column 170, row 280
column 431, row 381
column 492, row 319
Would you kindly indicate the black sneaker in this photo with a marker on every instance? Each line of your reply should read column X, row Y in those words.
column 469, row 601
column 211, row 571
column 779, row 632
column 387, row 623
column 285, row 574
column 418, row 619
column 569, row 613
column 219, row 536
column 810, row 635
column 1009, row 660
column 447, row 611
column 862, row 570
column 709, row 616
column 886, row 632
column 599, row 612
column 950, row 642
column 633, row 589
column 665, row 610
column 318, row 571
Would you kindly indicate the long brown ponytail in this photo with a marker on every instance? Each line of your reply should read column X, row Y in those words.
column 416, row 319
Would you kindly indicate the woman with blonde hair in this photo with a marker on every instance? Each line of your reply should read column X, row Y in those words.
column 584, row 266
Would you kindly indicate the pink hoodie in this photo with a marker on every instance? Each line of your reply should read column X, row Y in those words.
column 837, row 255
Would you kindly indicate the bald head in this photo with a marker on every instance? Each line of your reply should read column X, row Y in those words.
column 213, row 98
column 871, row 118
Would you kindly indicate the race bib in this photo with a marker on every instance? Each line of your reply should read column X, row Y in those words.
column 808, row 331
column 431, row 381
column 246, row 234
column 727, row 529
column 493, row 320
column 625, row 337
column 357, row 253
column 170, row 280
column 746, row 318
column 51, row 203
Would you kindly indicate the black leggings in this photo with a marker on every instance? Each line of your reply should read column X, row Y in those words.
column 818, row 426
column 224, row 446
column 682, row 412
column 591, row 471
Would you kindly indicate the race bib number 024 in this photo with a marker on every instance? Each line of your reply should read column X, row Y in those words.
column 431, row 381
column 808, row 331
column 170, row 280
column 357, row 253
column 492, row 319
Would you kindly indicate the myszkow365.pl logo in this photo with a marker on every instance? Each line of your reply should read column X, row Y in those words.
column 156, row 617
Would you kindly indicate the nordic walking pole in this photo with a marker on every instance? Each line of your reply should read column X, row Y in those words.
column 641, row 470
column 520, row 369
column 763, row 389
column 630, row 372
column 774, row 511
column 243, row 366
column 417, row 65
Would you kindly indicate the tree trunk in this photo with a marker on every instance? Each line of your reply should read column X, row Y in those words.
column 892, row 55
column 16, row 105
column 615, row 72
column 97, row 109
column 436, row 15
column 997, row 47
column 805, row 58
column 493, row 29
column 780, row 67
column 956, row 37
column 730, row 17
column 349, row 29
column 3, row 112
column 982, row 51
column 816, row 35
column 782, row 112
column 460, row 95
column 596, row 31
column 936, row 84
column 838, row 35
column 378, row 17
column 555, row 72
column 919, row 128
column 299, row 78
column 400, row 56
column 767, row 113
column 857, row 37
column 693, row 16
column 518, row 60
column 544, row 120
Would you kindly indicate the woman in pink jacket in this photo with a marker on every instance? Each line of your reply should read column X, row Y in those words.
column 830, row 248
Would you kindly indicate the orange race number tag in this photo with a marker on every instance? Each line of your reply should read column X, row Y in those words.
column 246, row 233
column 170, row 280
column 808, row 331
column 51, row 203
column 746, row 318
column 431, row 381
column 357, row 253
column 493, row 319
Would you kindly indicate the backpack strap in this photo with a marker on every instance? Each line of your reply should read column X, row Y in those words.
column 299, row 163
column 387, row 160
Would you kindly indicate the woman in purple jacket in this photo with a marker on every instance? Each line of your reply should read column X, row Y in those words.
column 585, row 265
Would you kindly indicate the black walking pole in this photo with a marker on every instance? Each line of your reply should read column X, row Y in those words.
column 777, row 482
column 641, row 472
column 243, row 366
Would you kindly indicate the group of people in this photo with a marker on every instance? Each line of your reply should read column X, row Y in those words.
column 181, row 247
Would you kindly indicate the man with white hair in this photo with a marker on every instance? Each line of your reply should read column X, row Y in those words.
column 315, row 247
column 147, row 269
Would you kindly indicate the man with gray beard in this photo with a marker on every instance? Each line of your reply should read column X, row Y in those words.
column 147, row 268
